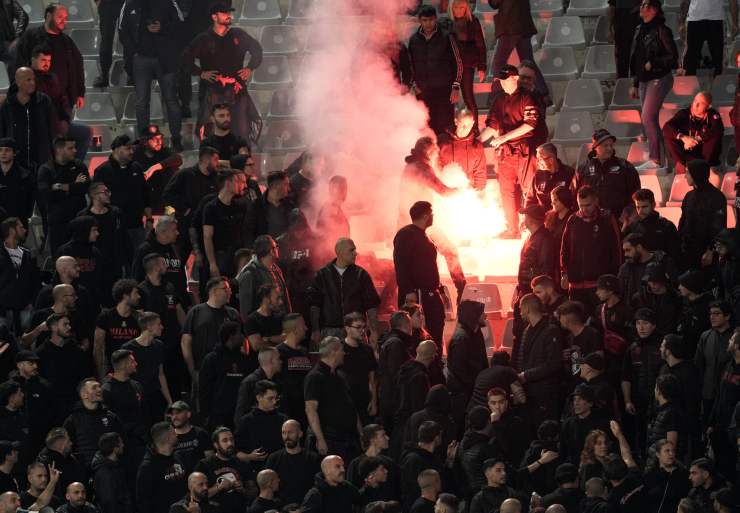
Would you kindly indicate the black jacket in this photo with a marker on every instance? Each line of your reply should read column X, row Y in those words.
column 615, row 180
column 541, row 347
column 544, row 182
column 11, row 11
column 590, row 248
column 660, row 234
column 175, row 265
column 259, row 429
column 17, row 191
column 513, row 18
column 665, row 490
column 324, row 498
column 36, row 148
column 413, row 386
column 62, row 206
column 337, row 295
column 466, row 354
column 184, row 192
column 703, row 216
column 251, row 277
column 18, row 287
column 653, row 42
column 71, row 469
column 167, row 40
column 85, row 508
column 38, row 407
column 160, row 482
column 573, row 434
column 709, row 131
column 490, row 499
column 413, row 461
column 569, row 497
column 85, row 427
column 396, row 349
column 436, row 61
column 88, row 257
column 129, row 191
column 415, row 261
column 220, row 374
column 539, row 256
column 111, row 489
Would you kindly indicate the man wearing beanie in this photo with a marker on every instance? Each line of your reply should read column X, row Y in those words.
column 657, row 295
column 694, row 319
column 614, row 179
column 703, row 214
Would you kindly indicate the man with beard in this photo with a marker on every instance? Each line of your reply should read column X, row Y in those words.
column 261, row 270
column 19, row 274
column 331, row 493
column 660, row 233
column 159, row 164
column 222, row 139
column 637, row 257
column 116, row 326
column 67, row 272
column 543, row 286
column 463, row 148
column 551, row 173
column 299, row 259
column 38, row 407
column 220, row 52
column 259, row 429
column 76, row 500
column 197, row 499
column 295, row 465
column 193, row 442
column 161, row 241
column 230, row 480
column 58, row 453
column 160, row 481
column 17, row 184
column 221, row 227
column 296, row 365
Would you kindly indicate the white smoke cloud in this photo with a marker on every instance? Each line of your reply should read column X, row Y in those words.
column 354, row 111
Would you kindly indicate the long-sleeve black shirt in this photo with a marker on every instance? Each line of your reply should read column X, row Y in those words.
column 415, row 261
column 224, row 54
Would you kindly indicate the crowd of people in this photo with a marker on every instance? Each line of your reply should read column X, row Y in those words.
column 203, row 343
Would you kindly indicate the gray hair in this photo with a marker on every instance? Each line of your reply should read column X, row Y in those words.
column 164, row 222
column 328, row 345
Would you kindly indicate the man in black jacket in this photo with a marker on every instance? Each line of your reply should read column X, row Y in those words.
column 495, row 491
column 66, row 60
column 412, row 386
column 416, row 459
column 62, row 182
column 660, row 233
column 161, row 241
column 437, row 65
column 703, row 213
column 261, row 270
column 270, row 366
column 331, row 493
column 551, row 173
column 25, row 115
column 13, row 23
column 341, row 287
column 19, row 279
column 574, row 429
column 110, row 483
column 260, row 430
column 296, row 465
column 159, row 163
column 17, row 184
column 161, row 480
column 149, row 29
column 695, row 133
column 396, row 349
column 38, row 405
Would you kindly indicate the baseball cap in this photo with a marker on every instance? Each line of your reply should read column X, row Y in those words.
column 179, row 405
column 26, row 356
column 506, row 71
column 8, row 142
column 122, row 140
column 593, row 360
column 220, row 7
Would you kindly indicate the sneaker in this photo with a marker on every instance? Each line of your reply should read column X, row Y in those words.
column 101, row 82
column 648, row 164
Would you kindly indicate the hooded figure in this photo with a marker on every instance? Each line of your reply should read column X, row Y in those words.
column 419, row 179
column 466, row 151
column 82, row 247
column 726, row 244
column 466, row 355
column 437, row 407
column 703, row 214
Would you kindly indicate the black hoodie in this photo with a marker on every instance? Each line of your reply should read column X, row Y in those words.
column 437, row 408
column 466, row 355
column 397, row 349
column 160, row 482
column 71, row 469
column 413, row 386
column 413, row 461
column 87, row 255
column 490, row 498
column 175, row 265
column 111, row 489
column 34, row 146
column 220, row 375
column 324, row 498
column 85, row 428
column 260, row 429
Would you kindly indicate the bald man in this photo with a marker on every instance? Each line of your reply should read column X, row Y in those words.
column 268, row 483
column 67, row 271
column 64, row 298
column 331, row 492
column 296, row 465
column 196, row 498
column 413, row 381
column 33, row 141
column 511, row 506
column 341, row 287
column 9, row 502
column 76, row 500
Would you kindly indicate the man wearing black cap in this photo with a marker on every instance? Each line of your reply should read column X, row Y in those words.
column 17, row 184
column 220, row 51
column 159, row 164
column 703, row 214
column 694, row 318
column 615, row 314
column 592, row 372
column 435, row 59
column 613, row 178
column 574, row 429
column 658, row 296
column 193, row 442
column 515, row 125
column 150, row 30
column 129, row 191
column 38, row 400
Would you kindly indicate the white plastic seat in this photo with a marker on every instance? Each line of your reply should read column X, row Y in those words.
column 87, row 41
column 282, row 104
column 573, row 128
column 600, row 63
column 638, row 153
column 588, row 7
column 584, row 94
column 299, row 11
column 282, row 135
column 118, row 76
column 602, row 32
column 546, row 8
column 486, row 293
column 625, row 125
column 90, row 68
column 35, row 11
column 279, row 39
column 652, row 182
column 723, row 90
column 679, row 188
column 4, row 80
column 273, row 73
column 155, row 108
column 673, row 214
column 683, row 92
column 260, row 12
column 98, row 109
column 724, row 112
column 565, row 31
column 81, row 14
column 622, row 98
column 557, row 63
column 672, row 6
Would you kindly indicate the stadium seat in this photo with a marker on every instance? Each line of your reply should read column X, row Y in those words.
column 729, row 153
column 728, row 186
column 671, row 21
column 573, row 128
column 731, row 62
column 35, row 11
column 272, row 74
column 584, row 94
column 652, row 182
column 279, row 39
column 105, row 134
column 91, row 70
column 264, row 163
column 94, row 164
column 672, row 6
column 679, row 188
column 298, row 12
column 282, row 135
column 582, row 156
column 588, row 7
column 557, row 63
column 622, row 98
column 601, row 32
column 260, row 12
column 155, row 110
column 723, row 90
column 683, row 92
column 725, row 113
column 673, row 214
column 118, row 76
column 625, row 125
column 665, row 114
column 87, row 41
column 600, row 63
column 507, row 341
column 483, row 7
column 282, row 104
column 546, row 8
column 482, row 91
column 320, row 36
column 98, row 109
column 486, row 293
column 81, row 14
column 565, row 31
column 4, row 80
column 638, row 153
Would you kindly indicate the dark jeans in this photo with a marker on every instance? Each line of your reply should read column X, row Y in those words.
column 146, row 70
column 711, row 31
column 523, row 44
column 108, row 11
column 652, row 96
column 434, row 317
column 466, row 87
column 707, row 150
column 441, row 111
column 625, row 22
column 82, row 136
